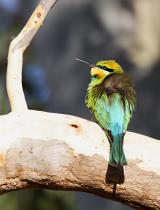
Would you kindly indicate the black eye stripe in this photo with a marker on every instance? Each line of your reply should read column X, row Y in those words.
column 105, row 68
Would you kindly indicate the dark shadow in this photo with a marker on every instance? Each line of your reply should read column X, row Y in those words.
column 115, row 175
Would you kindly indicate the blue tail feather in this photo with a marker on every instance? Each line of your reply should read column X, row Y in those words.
column 117, row 156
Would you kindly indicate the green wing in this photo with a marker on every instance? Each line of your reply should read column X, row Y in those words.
column 128, row 114
column 112, row 114
column 101, row 113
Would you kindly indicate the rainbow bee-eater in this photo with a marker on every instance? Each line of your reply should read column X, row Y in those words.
column 111, row 99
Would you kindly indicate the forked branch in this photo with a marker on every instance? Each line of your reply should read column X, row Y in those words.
column 55, row 151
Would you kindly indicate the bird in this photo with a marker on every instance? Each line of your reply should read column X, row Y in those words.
column 111, row 99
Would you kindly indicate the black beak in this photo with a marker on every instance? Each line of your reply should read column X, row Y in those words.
column 89, row 64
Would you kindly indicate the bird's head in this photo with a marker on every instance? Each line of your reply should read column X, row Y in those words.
column 103, row 69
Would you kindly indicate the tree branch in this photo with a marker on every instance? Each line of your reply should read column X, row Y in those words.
column 15, row 55
column 63, row 152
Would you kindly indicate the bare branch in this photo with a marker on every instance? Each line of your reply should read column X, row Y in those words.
column 15, row 55
column 63, row 152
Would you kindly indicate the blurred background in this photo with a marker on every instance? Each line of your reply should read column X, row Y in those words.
column 128, row 31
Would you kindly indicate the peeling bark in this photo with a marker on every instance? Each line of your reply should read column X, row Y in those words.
column 45, row 150
column 62, row 152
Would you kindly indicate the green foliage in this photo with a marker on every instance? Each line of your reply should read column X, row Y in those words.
column 37, row 200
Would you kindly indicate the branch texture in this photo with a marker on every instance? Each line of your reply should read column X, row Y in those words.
column 62, row 152
column 15, row 55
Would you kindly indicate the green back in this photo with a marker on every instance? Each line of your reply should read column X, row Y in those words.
column 110, row 113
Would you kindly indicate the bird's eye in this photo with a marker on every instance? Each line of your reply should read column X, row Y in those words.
column 105, row 68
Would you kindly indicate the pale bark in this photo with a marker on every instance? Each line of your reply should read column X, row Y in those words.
column 15, row 55
column 63, row 152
